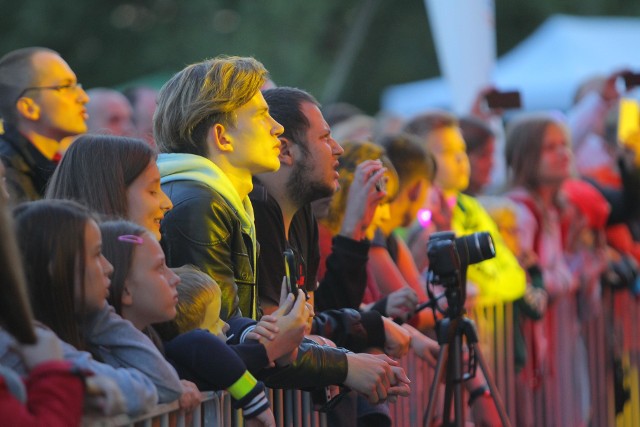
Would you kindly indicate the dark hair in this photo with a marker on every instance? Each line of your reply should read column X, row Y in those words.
column 409, row 157
column 200, row 96
column 97, row 170
column 285, row 106
column 120, row 255
column 428, row 122
column 50, row 235
column 17, row 72
column 15, row 311
column 475, row 132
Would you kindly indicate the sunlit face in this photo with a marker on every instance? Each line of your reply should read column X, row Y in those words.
column 254, row 137
column 449, row 149
column 555, row 158
column 150, row 294
column 212, row 321
column 97, row 270
column 380, row 217
column 481, row 164
column 403, row 210
column 315, row 173
column 146, row 201
column 62, row 111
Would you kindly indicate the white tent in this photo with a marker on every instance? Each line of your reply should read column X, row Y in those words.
column 547, row 67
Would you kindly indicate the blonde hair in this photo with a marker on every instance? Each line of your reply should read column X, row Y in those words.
column 200, row 96
column 356, row 152
column 196, row 291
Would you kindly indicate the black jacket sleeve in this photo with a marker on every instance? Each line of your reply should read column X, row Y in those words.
column 350, row 329
column 315, row 366
column 345, row 279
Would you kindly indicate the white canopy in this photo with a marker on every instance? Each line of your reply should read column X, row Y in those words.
column 547, row 67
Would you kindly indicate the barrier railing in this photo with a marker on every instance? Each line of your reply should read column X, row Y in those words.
column 610, row 335
column 291, row 408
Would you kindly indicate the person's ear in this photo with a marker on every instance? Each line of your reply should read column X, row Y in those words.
column 219, row 138
column 287, row 151
column 126, row 298
column 415, row 191
column 28, row 108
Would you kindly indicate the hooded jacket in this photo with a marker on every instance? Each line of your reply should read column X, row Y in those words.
column 212, row 228
column 208, row 223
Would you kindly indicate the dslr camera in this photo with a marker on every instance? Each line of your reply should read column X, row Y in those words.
column 449, row 256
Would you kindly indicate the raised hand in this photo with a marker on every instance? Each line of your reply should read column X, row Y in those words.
column 401, row 303
column 363, row 199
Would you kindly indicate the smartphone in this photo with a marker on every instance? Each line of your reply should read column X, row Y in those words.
column 497, row 100
column 381, row 184
column 290, row 271
column 631, row 80
column 629, row 123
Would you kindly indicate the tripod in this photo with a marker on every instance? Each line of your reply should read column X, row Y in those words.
column 450, row 332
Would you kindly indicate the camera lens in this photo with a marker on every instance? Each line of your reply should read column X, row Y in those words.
column 475, row 248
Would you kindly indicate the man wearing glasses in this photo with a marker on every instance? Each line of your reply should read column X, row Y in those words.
column 41, row 103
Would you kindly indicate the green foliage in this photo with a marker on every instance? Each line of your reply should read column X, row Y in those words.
column 109, row 42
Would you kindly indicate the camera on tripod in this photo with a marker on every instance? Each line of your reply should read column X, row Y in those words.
column 449, row 256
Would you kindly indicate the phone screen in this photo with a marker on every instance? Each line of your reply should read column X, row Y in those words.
column 290, row 271
column 503, row 100
column 629, row 126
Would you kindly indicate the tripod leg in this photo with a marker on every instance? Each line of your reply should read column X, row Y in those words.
column 497, row 398
column 442, row 356
column 454, row 385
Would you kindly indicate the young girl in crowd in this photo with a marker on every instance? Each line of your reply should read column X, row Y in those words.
column 144, row 291
column 68, row 279
column 134, row 194
column 539, row 159
column 114, row 176
column 53, row 392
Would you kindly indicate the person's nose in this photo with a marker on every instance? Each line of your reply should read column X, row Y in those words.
column 337, row 149
column 277, row 128
column 107, row 267
column 165, row 202
column 83, row 97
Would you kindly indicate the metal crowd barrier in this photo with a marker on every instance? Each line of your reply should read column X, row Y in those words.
column 611, row 335
column 291, row 408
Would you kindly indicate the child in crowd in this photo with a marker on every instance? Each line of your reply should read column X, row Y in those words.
column 68, row 279
column 144, row 292
column 134, row 194
column 114, row 176
column 52, row 392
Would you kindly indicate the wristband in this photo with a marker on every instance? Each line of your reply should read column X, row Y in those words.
column 483, row 390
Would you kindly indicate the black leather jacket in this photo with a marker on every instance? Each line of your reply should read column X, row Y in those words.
column 202, row 229
column 27, row 171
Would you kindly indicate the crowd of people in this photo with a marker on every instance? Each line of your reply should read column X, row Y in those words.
column 216, row 235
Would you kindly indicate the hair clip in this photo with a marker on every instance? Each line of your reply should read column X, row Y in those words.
column 131, row 238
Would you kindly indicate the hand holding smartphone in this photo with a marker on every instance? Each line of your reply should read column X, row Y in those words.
column 290, row 271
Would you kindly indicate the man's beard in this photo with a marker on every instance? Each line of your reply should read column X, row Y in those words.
column 302, row 190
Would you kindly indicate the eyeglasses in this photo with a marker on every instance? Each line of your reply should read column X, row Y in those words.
column 59, row 88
